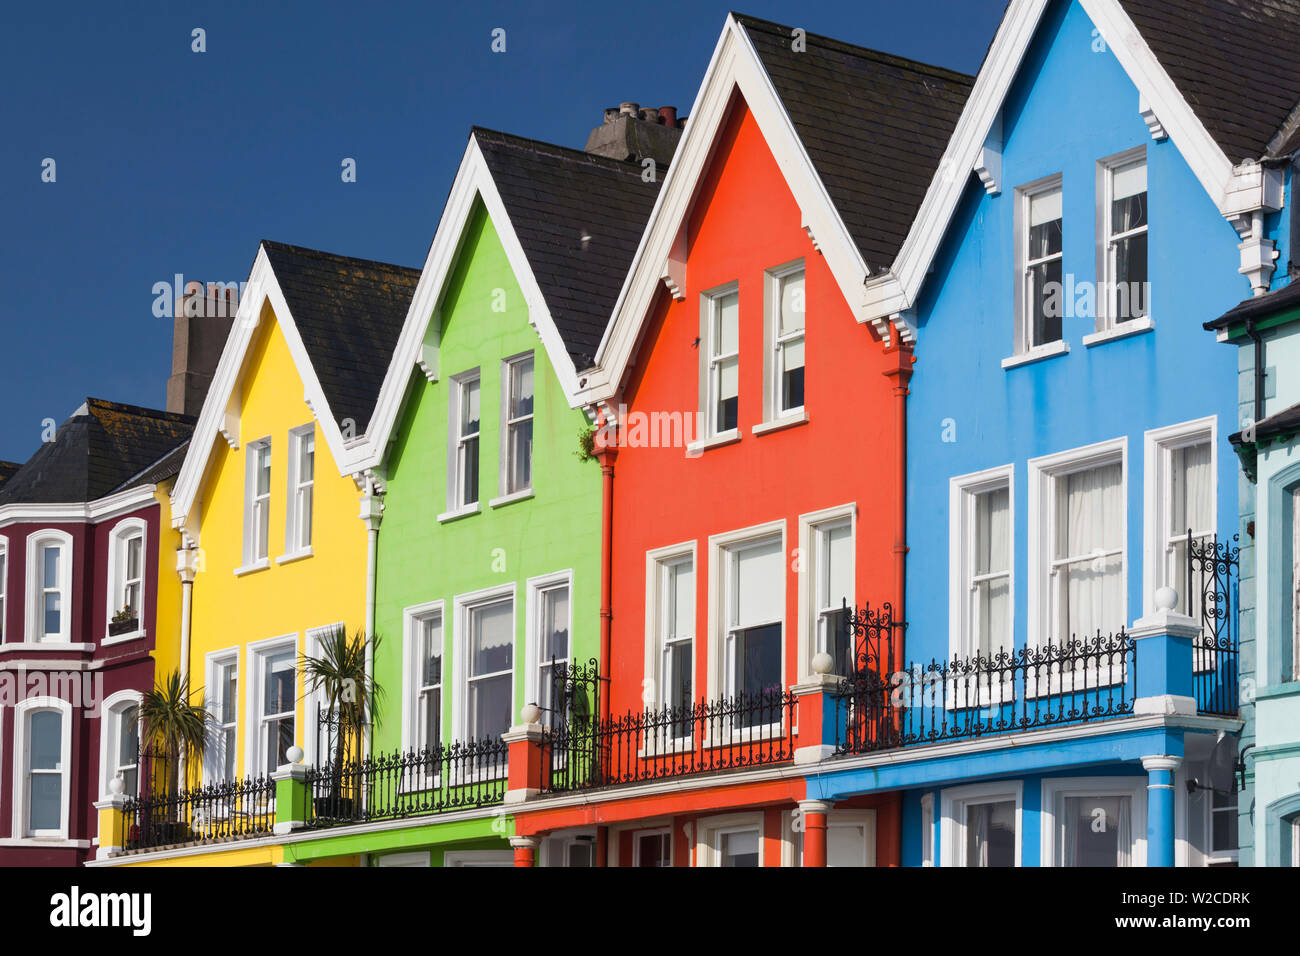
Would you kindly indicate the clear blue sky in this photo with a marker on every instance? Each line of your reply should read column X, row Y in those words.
column 173, row 161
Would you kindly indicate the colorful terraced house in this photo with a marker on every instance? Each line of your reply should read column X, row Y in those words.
column 89, row 613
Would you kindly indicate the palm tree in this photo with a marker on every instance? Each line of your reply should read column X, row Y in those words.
column 350, row 692
column 176, row 726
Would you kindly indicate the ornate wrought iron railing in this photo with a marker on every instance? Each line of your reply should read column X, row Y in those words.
column 233, row 810
column 1213, row 593
column 885, row 706
column 393, row 786
column 705, row 736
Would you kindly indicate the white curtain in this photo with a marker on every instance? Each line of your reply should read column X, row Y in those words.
column 978, row 847
column 1089, row 522
column 992, row 556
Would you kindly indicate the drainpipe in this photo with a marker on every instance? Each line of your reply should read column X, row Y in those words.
column 900, row 360
column 606, row 450
column 372, row 513
column 185, row 566
column 1258, row 339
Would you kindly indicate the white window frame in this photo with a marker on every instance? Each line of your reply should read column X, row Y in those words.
column 255, row 668
column 1159, row 445
column 709, row 361
column 310, row 731
column 962, row 490
column 954, row 802
column 22, row 711
column 462, row 605
column 1059, row 787
column 110, row 725
column 413, row 620
column 411, row 858
column 478, row 858
column 254, row 503
column 1023, row 195
column 1210, row 856
column 1043, row 473
column 1106, row 304
column 504, row 491
column 37, row 586
column 554, row 851
column 774, row 344
column 122, row 532
column 533, row 663
column 720, row 548
column 812, row 526
column 213, row 661
column 656, row 563
column 708, row 850
column 294, row 545
column 664, row 831
column 455, row 479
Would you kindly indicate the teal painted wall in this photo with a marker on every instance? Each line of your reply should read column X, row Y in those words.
column 421, row 559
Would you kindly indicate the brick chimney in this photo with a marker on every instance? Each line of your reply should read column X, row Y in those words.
column 632, row 133
column 200, row 325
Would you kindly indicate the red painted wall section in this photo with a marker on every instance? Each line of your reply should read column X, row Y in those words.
column 745, row 221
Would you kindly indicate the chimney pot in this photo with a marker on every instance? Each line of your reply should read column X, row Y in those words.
column 668, row 115
column 611, row 114
column 629, row 108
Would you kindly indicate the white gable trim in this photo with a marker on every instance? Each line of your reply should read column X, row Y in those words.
column 219, row 418
column 421, row 334
column 735, row 67
column 1157, row 95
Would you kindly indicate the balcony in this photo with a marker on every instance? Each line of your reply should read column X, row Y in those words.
column 217, row 813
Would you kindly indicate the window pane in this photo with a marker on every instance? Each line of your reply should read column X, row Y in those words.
column 279, row 689
column 1192, row 491
column 758, row 665
column 45, row 740
column 521, row 388
column 1128, row 182
column 431, row 718
column 846, row 845
column 652, row 849
column 45, row 799
column 1045, row 223
column 728, row 409
column 133, row 549
column 726, row 328
column 837, row 575
column 491, row 640
column 489, row 704
column 679, row 668
column 431, row 651
column 1045, row 302
column 469, row 471
column 792, row 304
column 579, row 854
column 228, row 693
column 307, row 458
column 758, row 595
column 1096, row 831
column 1089, row 520
column 262, row 469
column 739, row 849
column 128, row 737
column 991, row 834
column 681, row 600
column 51, row 554
column 520, row 456
column 469, row 410
column 555, row 625
column 53, row 615
column 1130, row 290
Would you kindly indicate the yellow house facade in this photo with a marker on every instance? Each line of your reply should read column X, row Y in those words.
column 274, row 527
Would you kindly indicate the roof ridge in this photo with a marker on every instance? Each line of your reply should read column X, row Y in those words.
column 275, row 243
column 154, row 464
column 139, row 410
column 916, row 66
column 617, row 165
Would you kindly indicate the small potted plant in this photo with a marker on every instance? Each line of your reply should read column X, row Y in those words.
column 124, row 622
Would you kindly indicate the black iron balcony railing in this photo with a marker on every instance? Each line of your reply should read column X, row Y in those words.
column 234, row 810
column 1213, row 598
column 1033, row 687
column 705, row 736
column 393, row 786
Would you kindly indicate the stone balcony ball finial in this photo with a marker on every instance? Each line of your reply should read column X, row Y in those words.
column 530, row 713
column 822, row 663
column 294, row 754
column 1166, row 599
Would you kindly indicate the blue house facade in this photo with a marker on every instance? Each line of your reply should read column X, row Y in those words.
column 1066, row 688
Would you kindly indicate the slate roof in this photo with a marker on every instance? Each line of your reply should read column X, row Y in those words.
column 99, row 448
column 349, row 313
column 1259, row 306
column 1285, row 423
column 7, row 470
column 168, row 466
column 875, row 126
column 579, row 219
column 1236, row 62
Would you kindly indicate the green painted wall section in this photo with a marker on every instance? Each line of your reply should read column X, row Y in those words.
column 484, row 833
column 420, row 559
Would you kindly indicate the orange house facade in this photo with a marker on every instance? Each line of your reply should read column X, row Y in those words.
column 734, row 540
